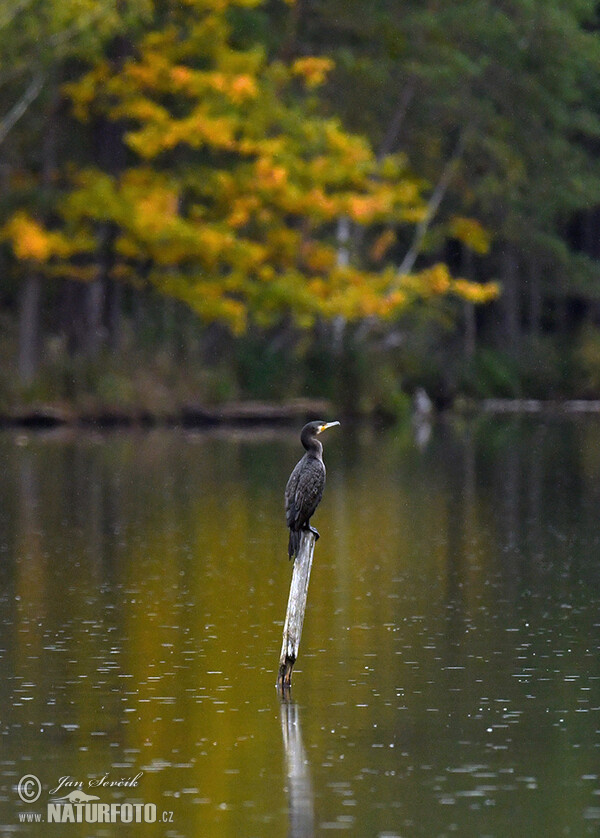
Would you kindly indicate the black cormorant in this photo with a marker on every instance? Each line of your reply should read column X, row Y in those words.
column 304, row 489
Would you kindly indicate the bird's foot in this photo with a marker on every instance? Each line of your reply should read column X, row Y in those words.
column 315, row 532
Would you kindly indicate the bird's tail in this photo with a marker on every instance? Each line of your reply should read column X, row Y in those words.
column 294, row 543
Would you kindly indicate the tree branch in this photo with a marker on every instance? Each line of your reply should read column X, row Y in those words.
column 433, row 205
column 20, row 108
column 393, row 129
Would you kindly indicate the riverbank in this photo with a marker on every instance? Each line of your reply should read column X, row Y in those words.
column 191, row 415
column 253, row 413
column 210, row 379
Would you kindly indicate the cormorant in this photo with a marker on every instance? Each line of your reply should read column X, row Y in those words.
column 304, row 489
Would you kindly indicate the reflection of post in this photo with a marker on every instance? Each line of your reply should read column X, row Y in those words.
column 421, row 417
column 294, row 618
column 300, row 792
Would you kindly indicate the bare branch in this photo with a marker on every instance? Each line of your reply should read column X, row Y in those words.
column 20, row 108
column 433, row 205
column 387, row 144
column 393, row 129
column 57, row 40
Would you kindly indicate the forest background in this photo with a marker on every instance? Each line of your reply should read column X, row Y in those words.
column 213, row 200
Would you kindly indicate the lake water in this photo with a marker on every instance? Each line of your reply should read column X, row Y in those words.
column 448, row 681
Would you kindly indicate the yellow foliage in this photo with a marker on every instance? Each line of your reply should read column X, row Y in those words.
column 312, row 69
column 283, row 243
column 215, row 131
column 382, row 244
column 269, row 174
column 213, row 243
column 241, row 210
column 218, row 81
column 255, row 231
column 354, row 294
column 243, row 87
column 83, row 92
column 196, row 130
column 204, row 296
column 470, row 232
column 476, row 292
column 143, row 110
column 147, row 73
column 181, row 75
column 360, row 208
column 350, row 150
column 31, row 241
column 237, row 87
column 318, row 258
column 156, row 207
column 366, row 208
column 437, row 279
column 395, row 300
column 266, row 273
column 317, row 204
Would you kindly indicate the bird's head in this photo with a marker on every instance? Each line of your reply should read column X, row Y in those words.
column 312, row 430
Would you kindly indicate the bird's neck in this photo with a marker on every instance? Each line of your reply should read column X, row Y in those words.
column 314, row 449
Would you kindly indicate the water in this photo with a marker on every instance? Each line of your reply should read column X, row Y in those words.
column 449, row 673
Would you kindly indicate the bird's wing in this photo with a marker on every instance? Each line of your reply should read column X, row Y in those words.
column 290, row 496
column 304, row 492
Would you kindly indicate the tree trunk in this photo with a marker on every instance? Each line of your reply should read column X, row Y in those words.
column 31, row 295
column 114, row 320
column 469, row 308
column 94, row 296
column 511, row 299
column 70, row 315
column 535, row 298
column 29, row 328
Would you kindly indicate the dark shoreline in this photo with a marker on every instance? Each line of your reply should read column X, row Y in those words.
column 255, row 413
column 240, row 414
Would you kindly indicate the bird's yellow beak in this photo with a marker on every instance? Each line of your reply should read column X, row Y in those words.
column 325, row 426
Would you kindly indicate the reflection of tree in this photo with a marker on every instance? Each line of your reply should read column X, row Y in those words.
column 31, row 569
column 300, row 791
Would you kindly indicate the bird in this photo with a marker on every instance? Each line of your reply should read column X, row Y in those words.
column 305, row 486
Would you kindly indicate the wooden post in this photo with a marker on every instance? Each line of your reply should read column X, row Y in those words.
column 294, row 618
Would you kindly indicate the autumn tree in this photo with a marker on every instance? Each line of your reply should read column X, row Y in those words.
column 39, row 40
column 234, row 185
column 495, row 105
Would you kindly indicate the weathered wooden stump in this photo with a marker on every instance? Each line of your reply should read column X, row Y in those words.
column 294, row 618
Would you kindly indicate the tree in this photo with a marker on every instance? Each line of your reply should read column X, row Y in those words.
column 234, row 184
column 495, row 105
column 38, row 40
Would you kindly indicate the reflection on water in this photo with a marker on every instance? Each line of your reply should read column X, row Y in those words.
column 448, row 679
column 300, row 791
